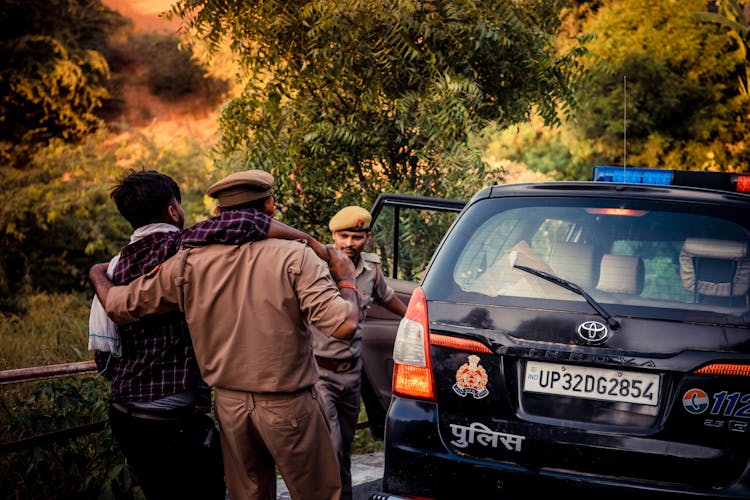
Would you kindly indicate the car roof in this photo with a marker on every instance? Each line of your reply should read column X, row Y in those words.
column 613, row 189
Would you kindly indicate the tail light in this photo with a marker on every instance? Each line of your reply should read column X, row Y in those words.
column 725, row 369
column 412, row 371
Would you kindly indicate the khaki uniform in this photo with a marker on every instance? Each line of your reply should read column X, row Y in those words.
column 340, row 365
column 248, row 308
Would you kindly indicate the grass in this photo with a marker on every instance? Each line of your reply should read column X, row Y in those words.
column 54, row 330
column 363, row 440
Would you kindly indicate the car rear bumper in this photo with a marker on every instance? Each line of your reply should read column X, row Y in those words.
column 417, row 463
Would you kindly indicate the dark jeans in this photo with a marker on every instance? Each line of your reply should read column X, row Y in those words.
column 172, row 459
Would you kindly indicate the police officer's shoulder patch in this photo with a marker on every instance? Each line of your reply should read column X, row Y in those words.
column 371, row 257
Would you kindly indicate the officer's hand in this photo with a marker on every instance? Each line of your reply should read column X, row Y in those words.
column 341, row 266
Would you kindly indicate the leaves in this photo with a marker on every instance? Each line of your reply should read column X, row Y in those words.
column 347, row 99
column 678, row 102
column 53, row 79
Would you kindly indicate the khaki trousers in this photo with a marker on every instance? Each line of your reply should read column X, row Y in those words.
column 262, row 431
column 339, row 397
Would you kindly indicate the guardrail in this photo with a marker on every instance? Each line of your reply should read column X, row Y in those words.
column 45, row 372
column 41, row 373
column 54, row 371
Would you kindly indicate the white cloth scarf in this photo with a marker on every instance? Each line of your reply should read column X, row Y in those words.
column 103, row 334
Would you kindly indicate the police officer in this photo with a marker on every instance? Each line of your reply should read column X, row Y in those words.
column 339, row 362
column 249, row 308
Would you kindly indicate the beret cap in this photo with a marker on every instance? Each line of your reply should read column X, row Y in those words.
column 242, row 187
column 352, row 218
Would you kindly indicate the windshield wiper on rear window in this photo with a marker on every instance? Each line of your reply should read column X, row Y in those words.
column 569, row 285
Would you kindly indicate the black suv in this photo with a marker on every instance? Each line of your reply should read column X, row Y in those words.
column 580, row 337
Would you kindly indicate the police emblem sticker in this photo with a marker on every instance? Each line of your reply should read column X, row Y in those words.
column 471, row 378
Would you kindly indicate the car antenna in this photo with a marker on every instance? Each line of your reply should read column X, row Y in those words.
column 624, row 125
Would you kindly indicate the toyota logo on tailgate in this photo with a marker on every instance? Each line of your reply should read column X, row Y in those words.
column 592, row 331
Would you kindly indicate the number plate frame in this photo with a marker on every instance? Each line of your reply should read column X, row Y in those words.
column 592, row 383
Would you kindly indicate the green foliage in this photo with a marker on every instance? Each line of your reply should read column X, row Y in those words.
column 88, row 466
column 345, row 100
column 733, row 17
column 62, row 219
column 363, row 441
column 551, row 151
column 680, row 110
column 53, row 77
column 54, row 329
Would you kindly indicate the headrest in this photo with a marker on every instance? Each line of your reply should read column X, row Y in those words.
column 574, row 262
column 735, row 278
column 621, row 274
column 714, row 249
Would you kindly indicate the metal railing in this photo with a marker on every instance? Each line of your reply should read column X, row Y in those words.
column 42, row 373
column 46, row 372
column 55, row 371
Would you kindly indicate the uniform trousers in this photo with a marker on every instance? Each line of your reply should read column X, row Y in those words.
column 339, row 398
column 262, row 431
column 172, row 457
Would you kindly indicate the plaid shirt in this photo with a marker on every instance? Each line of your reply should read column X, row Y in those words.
column 157, row 355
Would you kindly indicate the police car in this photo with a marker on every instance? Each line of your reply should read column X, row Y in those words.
column 590, row 338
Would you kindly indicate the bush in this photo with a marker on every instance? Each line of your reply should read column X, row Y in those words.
column 86, row 466
column 174, row 72
column 62, row 219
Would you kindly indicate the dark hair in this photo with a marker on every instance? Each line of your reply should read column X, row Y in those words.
column 144, row 197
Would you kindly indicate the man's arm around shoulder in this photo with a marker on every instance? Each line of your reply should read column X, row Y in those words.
column 99, row 280
column 149, row 294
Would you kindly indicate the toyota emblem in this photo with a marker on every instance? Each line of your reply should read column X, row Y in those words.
column 592, row 331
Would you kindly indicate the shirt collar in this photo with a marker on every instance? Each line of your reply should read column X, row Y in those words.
column 157, row 227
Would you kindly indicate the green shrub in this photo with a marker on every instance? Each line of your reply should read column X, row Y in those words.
column 85, row 466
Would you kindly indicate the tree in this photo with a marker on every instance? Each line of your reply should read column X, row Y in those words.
column 734, row 17
column 59, row 217
column 346, row 99
column 53, row 77
column 682, row 108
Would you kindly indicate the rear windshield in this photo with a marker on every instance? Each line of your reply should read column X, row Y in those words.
column 637, row 254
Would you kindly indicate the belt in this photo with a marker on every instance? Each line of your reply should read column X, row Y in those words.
column 260, row 396
column 336, row 365
column 164, row 415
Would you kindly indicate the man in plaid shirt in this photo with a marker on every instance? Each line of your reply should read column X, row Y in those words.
column 158, row 399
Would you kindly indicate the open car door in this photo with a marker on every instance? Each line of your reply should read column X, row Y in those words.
column 406, row 232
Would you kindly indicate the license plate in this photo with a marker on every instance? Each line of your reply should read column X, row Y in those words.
column 592, row 383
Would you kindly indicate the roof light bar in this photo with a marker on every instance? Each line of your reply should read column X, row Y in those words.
column 723, row 181
column 633, row 175
column 743, row 183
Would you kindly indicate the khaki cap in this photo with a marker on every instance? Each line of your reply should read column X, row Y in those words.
column 241, row 187
column 352, row 218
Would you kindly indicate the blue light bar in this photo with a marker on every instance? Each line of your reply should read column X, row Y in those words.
column 633, row 175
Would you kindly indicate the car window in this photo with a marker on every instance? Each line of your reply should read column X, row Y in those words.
column 405, row 237
column 638, row 253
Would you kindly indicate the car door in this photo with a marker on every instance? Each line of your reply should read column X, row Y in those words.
column 406, row 232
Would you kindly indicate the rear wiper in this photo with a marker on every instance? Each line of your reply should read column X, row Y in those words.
column 569, row 285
